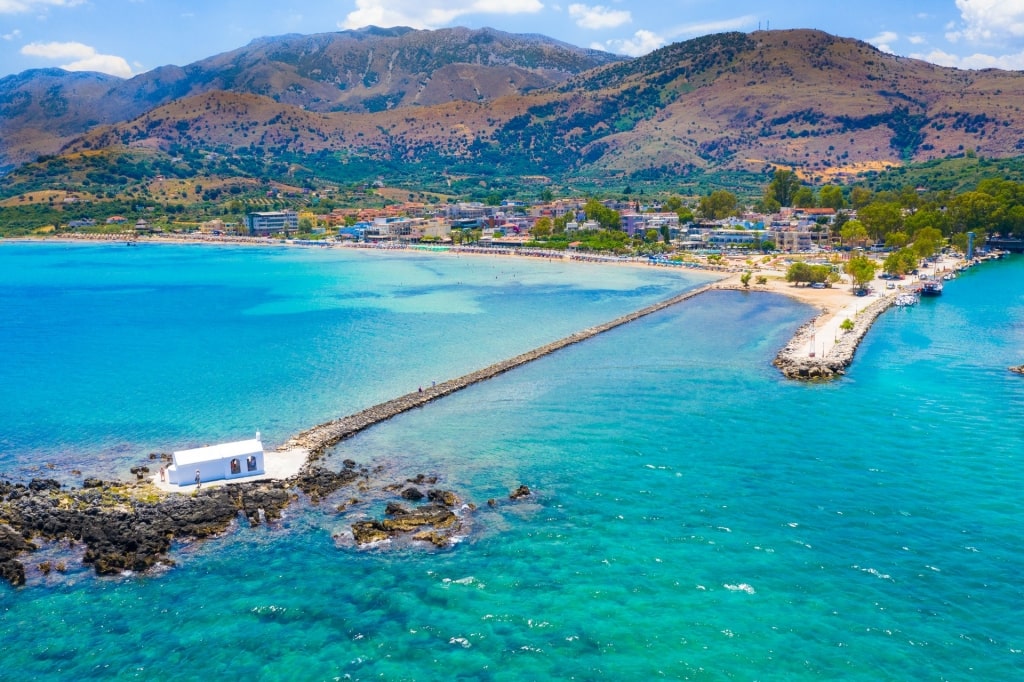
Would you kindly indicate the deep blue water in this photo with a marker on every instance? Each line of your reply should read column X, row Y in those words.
column 696, row 516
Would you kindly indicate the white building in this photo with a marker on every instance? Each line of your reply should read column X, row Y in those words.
column 217, row 462
column 265, row 223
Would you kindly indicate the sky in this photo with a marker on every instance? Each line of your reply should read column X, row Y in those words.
column 128, row 37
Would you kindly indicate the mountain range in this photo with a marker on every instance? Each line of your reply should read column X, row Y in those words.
column 527, row 104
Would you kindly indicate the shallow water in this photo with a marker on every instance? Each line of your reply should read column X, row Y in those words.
column 695, row 517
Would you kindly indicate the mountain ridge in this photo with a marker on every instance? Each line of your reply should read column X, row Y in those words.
column 801, row 98
column 364, row 70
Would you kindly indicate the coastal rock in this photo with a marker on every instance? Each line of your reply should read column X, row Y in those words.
column 434, row 538
column 428, row 520
column 13, row 572
column 445, row 497
column 412, row 494
column 124, row 527
column 367, row 532
column 429, row 515
column 321, row 482
column 39, row 484
column 519, row 493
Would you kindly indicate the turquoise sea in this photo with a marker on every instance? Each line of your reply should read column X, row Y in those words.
column 696, row 516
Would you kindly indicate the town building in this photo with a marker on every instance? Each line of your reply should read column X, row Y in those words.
column 266, row 223
column 632, row 223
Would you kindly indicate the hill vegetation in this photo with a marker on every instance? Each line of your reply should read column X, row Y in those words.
column 483, row 114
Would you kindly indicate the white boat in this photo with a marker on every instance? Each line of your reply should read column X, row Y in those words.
column 904, row 300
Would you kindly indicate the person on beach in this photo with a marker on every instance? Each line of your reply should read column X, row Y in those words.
column 199, row 480
column 162, row 475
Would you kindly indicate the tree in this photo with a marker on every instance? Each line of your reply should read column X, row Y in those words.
column 804, row 198
column 831, row 196
column 846, row 325
column 973, row 210
column 717, row 205
column 651, row 235
column 767, row 204
column 880, row 218
column 798, row 272
column 897, row 240
column 926, row 218
column 672, row 204
column 607, row 218
column 959, row 241
column 745, row 279
column 927, row 241
column 861, row 270
column 853, row 232
column 542, row 228
column 899, row 262
column 860, row 197
column 783, row 186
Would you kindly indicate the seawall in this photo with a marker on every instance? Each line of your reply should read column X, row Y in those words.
column 321, row 437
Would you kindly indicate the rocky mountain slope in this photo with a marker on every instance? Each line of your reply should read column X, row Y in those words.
column 367, row 70
column 828, row 106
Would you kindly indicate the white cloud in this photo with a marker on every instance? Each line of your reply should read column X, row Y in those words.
column 25, row 6
column 1011, row 62
column 986, row 20
column 643, row 41
column 598, row 17
column 882, row 40
column 82, row 56
column 428, row 13
column 709, row 27
column 12, row 35
column 916, row 40
column 640, row 44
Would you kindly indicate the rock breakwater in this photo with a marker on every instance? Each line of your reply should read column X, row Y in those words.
column 795, row 363
column 321, row 437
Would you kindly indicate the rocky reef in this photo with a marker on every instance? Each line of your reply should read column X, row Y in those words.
column 1019, row 369
column 124, row 527
column 131, row 526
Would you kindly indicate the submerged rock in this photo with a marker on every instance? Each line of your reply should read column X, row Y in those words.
column 520, row 492
column 428, row 519
column 412, row 494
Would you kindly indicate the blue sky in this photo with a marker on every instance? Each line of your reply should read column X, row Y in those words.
column 127, row 37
